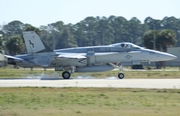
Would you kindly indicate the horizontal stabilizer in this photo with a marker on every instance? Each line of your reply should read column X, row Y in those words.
column 12, row 57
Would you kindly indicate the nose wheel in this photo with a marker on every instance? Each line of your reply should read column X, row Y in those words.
column 121, row 75
column 66, row 75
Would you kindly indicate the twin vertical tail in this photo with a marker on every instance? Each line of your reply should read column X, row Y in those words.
column 34, row 44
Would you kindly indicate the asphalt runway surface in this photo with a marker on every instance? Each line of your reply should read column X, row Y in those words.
column 113, row 83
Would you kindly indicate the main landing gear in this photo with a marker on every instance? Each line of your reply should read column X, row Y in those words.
column 66, row 75
column 68, row 71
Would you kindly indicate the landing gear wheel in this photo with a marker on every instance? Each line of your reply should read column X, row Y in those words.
column 121, row 75
column 66, row 75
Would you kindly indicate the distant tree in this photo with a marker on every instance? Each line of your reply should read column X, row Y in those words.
column 14, row 45
column 163, row 39
column 105, row 32
column 90, row 25
column 166, row 39
column 148, row 39
column 96, row 30
column 153, row 23
column 29, row 27
column 57, row 26
column 120, row 29
column 12, row 28
column 1, row 44
column 135, row 30
column 80, row 35
column 66, row 40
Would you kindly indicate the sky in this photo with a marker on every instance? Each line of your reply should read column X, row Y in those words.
column 43, row 12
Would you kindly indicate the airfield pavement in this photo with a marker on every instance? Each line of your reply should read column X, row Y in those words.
column 112, row 83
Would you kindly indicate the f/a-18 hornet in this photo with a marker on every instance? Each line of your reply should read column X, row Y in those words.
column 83, row 59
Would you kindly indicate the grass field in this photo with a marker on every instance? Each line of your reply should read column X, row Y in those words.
column 25, row 73
column 88, row 102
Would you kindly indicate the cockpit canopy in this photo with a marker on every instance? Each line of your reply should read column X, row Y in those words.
column 126, row 45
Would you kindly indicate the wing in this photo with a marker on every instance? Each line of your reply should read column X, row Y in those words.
column 68, row 59
column 70, row 56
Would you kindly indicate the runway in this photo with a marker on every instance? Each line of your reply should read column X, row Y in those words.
column 113, row 83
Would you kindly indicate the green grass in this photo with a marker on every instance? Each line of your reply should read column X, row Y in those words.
column 20, row 73
column 88, row 102
column 24, row 73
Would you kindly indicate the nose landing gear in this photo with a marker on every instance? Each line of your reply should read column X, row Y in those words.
column 120, row 74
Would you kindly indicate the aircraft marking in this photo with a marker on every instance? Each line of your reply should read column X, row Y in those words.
column 31, row 43
column 98, row 49
column 93, row 49
column 128, row 56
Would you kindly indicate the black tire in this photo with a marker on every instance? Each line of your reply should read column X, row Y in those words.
column 66, row 75
column 121, row 75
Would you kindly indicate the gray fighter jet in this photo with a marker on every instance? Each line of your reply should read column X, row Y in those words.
column 83, row 59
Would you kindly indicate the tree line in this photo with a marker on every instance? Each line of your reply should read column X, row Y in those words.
column 94, row 31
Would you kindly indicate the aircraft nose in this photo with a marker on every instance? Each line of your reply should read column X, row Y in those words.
column 168, row 56
column 174, row 57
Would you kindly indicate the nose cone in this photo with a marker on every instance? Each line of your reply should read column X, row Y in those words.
column 166, row 56
column 174, row 57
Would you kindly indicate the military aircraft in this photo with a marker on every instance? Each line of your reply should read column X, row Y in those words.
column 83, row 59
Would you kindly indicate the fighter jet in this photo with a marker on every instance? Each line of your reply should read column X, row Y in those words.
column 83, row 59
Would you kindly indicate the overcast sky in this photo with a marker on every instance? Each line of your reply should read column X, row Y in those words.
column 43, row 12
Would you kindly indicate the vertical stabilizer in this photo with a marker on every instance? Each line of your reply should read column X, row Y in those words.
column 34, row 44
